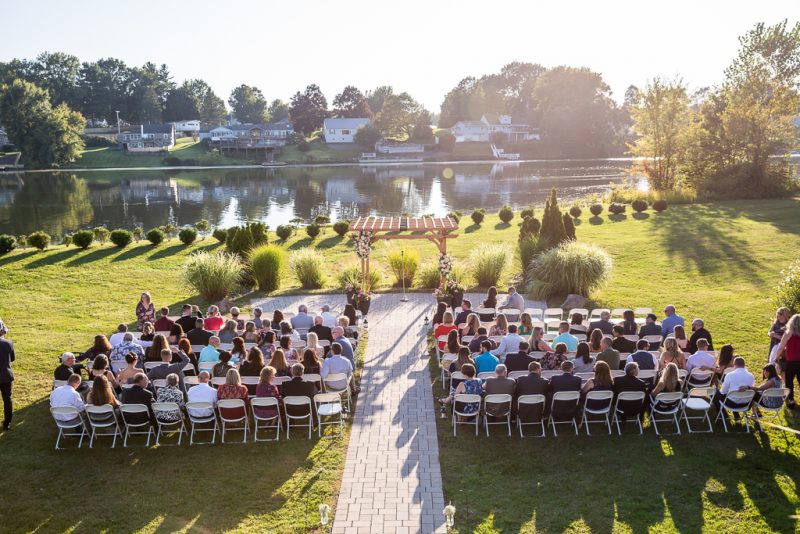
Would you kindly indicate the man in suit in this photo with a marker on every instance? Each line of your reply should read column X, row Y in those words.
column 186, row 320
column 608, row 354
column 566, row 381
column 466, row 309
column 199, row 335
column 7, row 356
column 519, row 361
column 620, row 343
column 699, row 332
column 161, row 371
column 514, row 301
column 297, row 387
column 604, row 324
column 477, row 341
column 651, row 328
column 531, row 384
column 323, row 332
column 302, row 321
column 139, row 394
column 500, row 384
column 630, row 382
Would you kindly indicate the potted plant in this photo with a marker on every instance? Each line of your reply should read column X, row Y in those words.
column 450, row 292
column 360, row 297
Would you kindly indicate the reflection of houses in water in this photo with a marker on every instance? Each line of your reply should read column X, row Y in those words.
column 388, row 174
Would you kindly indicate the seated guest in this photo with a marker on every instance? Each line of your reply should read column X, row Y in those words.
column 537, row 342
column 185, row 346
column 311, row 362
column 202, row 392
column 485, row 362
column 266, row 388
column 650, row 327
column 576, row 325
column 164, row 323
column 100, row 367
column 336, row 364
column 286, row 330
column 566, row 381
column 312, row 342
column 500, row 326
column 469, row 386
column 280, row 363
column 210, row 353
column 525, row 324
column 286, row 346
column 127, row 345
column 199, row 335
column 518, row 361
column 297, row 387
column 267, row 343
column 725, row 360
column 604, row 324
column 350, row 331
column 238, row 352
column 619, row 342
column 630, row 382
column 256, row 320
column 608, row 354
column 350, row 312
column 328, row 318
column 601, row 381
column 322, row 331
column 101, row 393
column 464, row 356
column 669, row 382
column 491, row 298
column 235, row 318
column 466, row 310
column 170, row 393
column 671, row 319
column 553, row 360
column 514, row 301
column 672, row 354
column 153, row 352
column 740, row 379
column 277, row 319
column 253, row 364
column 680, row 335
column 148, row 333
column 478, row 339
column 138, row 394
column 232, row 389
column 699, row 332
column 565, row 337
column 101, row 346
column 472, row 325
column 701, row 358
column 118, row 336
column 595, row 338
column 302, row 321
column 126, row 376
column 186, row 320
column 500, row 384
column 347, row 348
column 175, row 334
column 228, row 332
column 583, row 362
column 643, row 358
column 444, row 328
column 67, row 368
column 220, row 369
column 452, row 345
column 213, row 320
column 533, row 383
column 510, row 342
column 162, row 371
column 772, row 380
column 628, row 324
column 438, row 316
column 67, row 395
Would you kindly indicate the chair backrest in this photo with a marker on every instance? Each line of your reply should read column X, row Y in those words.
column 59, row 383
column 631, row 337
column 727, row 371
column 517, row 374
column 566, row 396
column 583, row 311
column 536, row 313
column 595, row 314
column 740, row 397
column 642, row 312
column 617, row 313
column 548, row 337
column 548, row 373
column 218, row 381
column 99, row 413
column 264, row 402
column 653, row 339
column 119, row 366
column 584, row 376
column 148, row 366
column 442, row 339
column 702, row 392
column 699, row 377
column 165, row 407
column 192, row 408
column 297, row 402
column 667, row 402
column 486, row 375
column 231, row 404
column 250, row 380
column 580, row 337
column 159, row 383
column 206, row 366
column 537, row 355
column 600, row 396
column 333, row 378
column 132, row 409
column 278, row 380
column 226, row 346
column 630, row 396
column 773, row 393
column 197, row 349
column 498, row 398
column 64, row 411
column 531, row 399
column 647, row 374
column 313, row 377
column 464, row 398
column 327, row 398
column 558, row 313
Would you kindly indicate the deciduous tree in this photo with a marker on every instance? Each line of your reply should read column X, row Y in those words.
column 351, row 103
column 308, row 110
column 248, row 104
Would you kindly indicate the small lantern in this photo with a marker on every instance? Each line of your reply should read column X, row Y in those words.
column 324, row 510
column 449, row 514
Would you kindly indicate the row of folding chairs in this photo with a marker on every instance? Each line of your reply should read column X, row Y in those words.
column 545, row 314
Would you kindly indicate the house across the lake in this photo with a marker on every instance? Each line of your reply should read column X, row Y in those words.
column 491, row 124
column 148, row 138
column 188, row 127
column 250, row 135
column 342, row 130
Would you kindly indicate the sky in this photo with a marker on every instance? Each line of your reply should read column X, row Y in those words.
column 423, row 47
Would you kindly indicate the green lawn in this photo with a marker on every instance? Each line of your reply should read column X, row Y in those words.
column 717, row 261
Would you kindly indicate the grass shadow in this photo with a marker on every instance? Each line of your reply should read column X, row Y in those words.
column 166, row 252
column 51, row 259
column 330, row 242
column 302, row 243
column 133, row 252
column 472, row 228
column 641, row 216
column 501, row 226
column 577, row 222
column 11, row 258
column 617, row 217
column 95, row 255
column 595, row 220
column 209, row 247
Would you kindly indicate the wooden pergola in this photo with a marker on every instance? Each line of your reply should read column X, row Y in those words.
column 435, row 229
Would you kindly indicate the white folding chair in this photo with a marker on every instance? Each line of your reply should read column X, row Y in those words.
column 629, row 398
column 631, row 337
column 206, row 366
column 547, row 338
column 329, row 405
column 235, row 419
column 201, row 414
column 103, row 419
column 617, row 314
column 641, row 314
column 552, row 325
column 570, row 399
column 130, row 413
column 776, row 397
column 486, row 375
column 119, row 366
column 607, row 397
column 583, row 311
column 226, row 346
column 444, row 368
column 266, row 403
column 530, row 401
column 58, row 383
column 197, row 349
column 536, row 313
column 653, row 339
column 483, row 312
column 553, row 313
column 164, row 424
column 537, row 355
column 189, row 382
column 67, row 427
column 338, row 383
column 298, row 401
column 251, row 382
column 513, row 375
column 440, row 341
column 149, row 366
column 667, row 405
column 314, row 378
column 736, row 402
column 698, row 401
column 504, row 401
column 465, row 399
column 697, row 378
column 218, row 381
column 159, row 383
column 580, row 337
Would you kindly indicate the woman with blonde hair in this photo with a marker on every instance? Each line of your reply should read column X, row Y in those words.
column 669, row 381
column 213, row 320
column 525, row 324
column 672, row 354
column 280, row 363
column 148, row 332
column 312, row 342
column 228, row 332
column 778, row 328
column 232, row 389
column 500, row 326
column 790, row 343
column 472, row 325
column 537, row 342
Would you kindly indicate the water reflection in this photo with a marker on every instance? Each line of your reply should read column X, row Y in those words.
column 62, row 202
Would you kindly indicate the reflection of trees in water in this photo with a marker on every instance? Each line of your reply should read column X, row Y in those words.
column 53, row 202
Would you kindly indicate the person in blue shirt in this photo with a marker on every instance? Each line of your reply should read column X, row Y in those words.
column 486, row 362
column 565, row 337
column 671, row 320
column 347, row 348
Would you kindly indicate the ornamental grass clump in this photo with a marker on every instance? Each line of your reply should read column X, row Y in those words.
column 307, row 267
column 488, row 261
column 267, row 262
column 404, row 264
column 571, row 267
column 787, row 294
column 214, row 275
column 351, row 276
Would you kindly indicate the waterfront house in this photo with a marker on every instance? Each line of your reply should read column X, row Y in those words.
column 187, row 127
column 342, row 130
column 148, row 138
column 490, row 124
column 250, row 135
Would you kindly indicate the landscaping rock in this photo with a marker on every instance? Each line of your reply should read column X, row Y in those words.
column 225, row 306
column 574, row 301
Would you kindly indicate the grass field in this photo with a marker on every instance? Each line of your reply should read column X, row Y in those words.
column 717, row 261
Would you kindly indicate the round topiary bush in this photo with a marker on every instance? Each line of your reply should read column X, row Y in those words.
column 527, row 212
column 155, row 236
column 220, row 234
column 660, row 205
column 39, row 240
column 571, row 267
column 575, row 212
column 266, row 264
column 312, row 230
column 202, row 226
column 616, row 208
column 596, row 209
column 121, row 238
column 506, row 214
column 455, row 215
column 7, row 243
column 639, row 205
column 530, row 227
column 284, row 231
column 66, row 240
column 477, row 216
column 322, row 219
column 187, row 235
column 101, row 234
column 83, row 238
column 341, row 227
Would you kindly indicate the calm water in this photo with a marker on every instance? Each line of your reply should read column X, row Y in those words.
column 65, row 201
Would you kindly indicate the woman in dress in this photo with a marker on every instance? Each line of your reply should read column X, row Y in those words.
column 602, row 381
column 100, row 367
column 537, row 342
column 576, row 325
column 500, row 326
column 277, row 319
column 594, row 340
column 629, row 326
column 525, row 324
column 287, row 330
column 232, row 389
column 228, row 332
column 280, row 363
column 153, row 352
column 553, row 360
column 491, row 298
column 464, row 356
column 444, row 329
column 288, row 351
column 470, row 386
column 452, row 346
column 790, row 343
column 186, row 346
column 213, row 320
column 669, row 381
column 101, row 393
column 680, row 336
column 672, row 354
column 175, row 334
column 350, row 313
column 222, row 367
column 170, row 393
column 266, row 388
column 238, row 352
column 267, row 343
column 148, row 332
column 250, row 333
column 438, row 317
column 471, row 326
column 583, row 359
column 145, row 311
column 125, row 376
column 253, row 364
column 724, row 361
column 772, row 380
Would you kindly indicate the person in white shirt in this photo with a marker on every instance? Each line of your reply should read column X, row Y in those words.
column 510, row 342
column 202, row 392
column 336, row 363
column 67, row 395
column 117, row 337
column 328, row 318
column 701, row 359
column 740, row 379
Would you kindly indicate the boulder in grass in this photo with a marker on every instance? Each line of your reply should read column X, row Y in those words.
column 574, row 301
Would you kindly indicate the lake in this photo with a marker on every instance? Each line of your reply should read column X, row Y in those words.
column 62, row 202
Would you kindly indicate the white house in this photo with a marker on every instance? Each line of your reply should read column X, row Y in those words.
column 251, row 135
column 342, row 130
column 189, row 127
column 490, row 124
column 470, row 131
column 148, row 138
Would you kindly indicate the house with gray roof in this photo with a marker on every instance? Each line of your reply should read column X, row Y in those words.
column 148, row 138
column 491, row 124
column 342, row 130
column 251, row 135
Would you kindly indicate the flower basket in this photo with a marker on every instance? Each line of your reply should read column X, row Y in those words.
column 449, row 292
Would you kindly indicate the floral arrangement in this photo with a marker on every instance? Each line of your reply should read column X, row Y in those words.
column 363, row 243
column 360, row 294
column 445, row 265
column 449, row 288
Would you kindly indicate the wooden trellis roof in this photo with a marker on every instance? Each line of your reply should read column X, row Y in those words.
column 411, row 224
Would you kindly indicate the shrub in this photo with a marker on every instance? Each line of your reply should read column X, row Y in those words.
column 575, row 212
column 527, row 212
column 220, row 234
column 284, row 231
column 303, row 145
column 307, row 267
column 627, row 194
column 170, row 230
column 596, row 209
column 312, row 230
column 83, row 238
column 788, row 291
column 202, row 227
column 404, row 264
column 121, row 238
column 639, row 205
column 240, row 240
column 259, row 232
column 530, row 227
column 187, row 235
column 528, row 247
column 155, row 236
column 616, row 208
column 214, row 275
column 569, row 226
column 266, row 265
column 488, row 261
column 39, row 240
column 101, row 234
column 660, row 205
column 552, row 232
column 66, row 240
column 506, row 214
column 571, row 267
column 7, row 243
column 455, row 215
column 341, row 227
column 477, row 216
column 352, row 275
column 322, row 219
column 138, row 233
column 429, row 277
column 22, row 240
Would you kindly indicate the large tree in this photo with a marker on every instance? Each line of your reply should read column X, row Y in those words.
column 194, row 99
column 377, row 96
column 105, row 87
column 351, row 103
column 397, row 116
column 248, row 104
column 308, row 110
column 47, row 136
column 278, row 110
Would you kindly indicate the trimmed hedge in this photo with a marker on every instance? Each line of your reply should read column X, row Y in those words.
column 39, row 240
column 284, row 232
column 187, row 235
column 121, row 238
column 83, row 238
column 341, row 227
column 596, row 209
column 660, row 205
column 478, row 216
column 313, row 230
column 7, row 243
column 506, row 214
column 639, row 205
column 155, row 236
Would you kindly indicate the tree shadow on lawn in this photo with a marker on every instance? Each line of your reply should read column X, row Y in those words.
column 330, row 242
column 95, row 255
column 133, row 252
column 595, row 220
column 12, row 258
column 165, row 252
column 302, row 243
column 52, row 259
column 783, row 214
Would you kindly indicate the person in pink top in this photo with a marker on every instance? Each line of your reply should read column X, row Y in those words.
column 790, row 342
column 213, row 320
column 445, row 328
